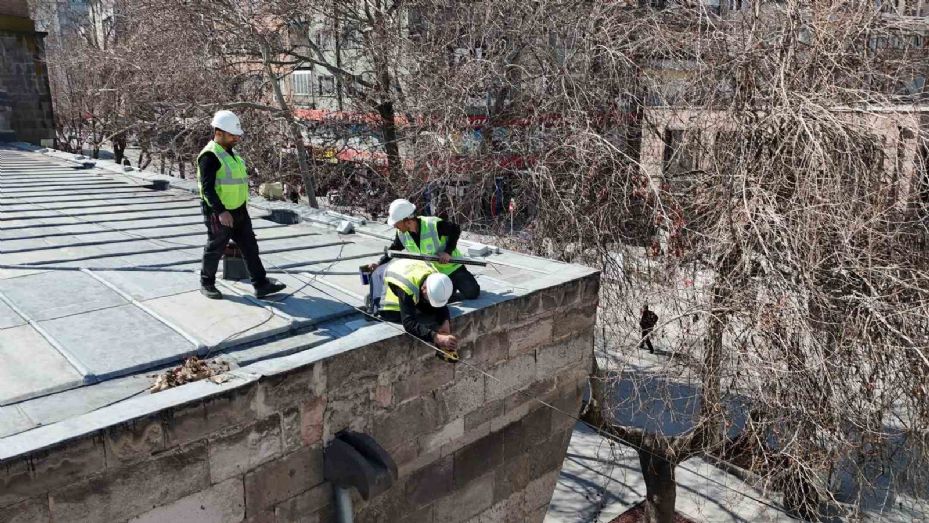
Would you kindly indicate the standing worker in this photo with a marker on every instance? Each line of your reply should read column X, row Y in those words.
column 223, row 183
column 647, row 323
column 416, row 295
column 431, row 236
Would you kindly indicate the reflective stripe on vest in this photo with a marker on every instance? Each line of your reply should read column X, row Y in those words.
column 408, row 275
column 430, row 243
column 231, row 178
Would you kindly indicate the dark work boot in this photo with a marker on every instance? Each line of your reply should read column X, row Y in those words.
column 210, row 291
column 270, row 287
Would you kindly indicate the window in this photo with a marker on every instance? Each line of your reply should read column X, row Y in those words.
column 725, row 148
column 352, row 37
column 872, row 152
column 731, row 5
column 679, row 151
column 303, row 83
column 326, row 85
column 325, row 40
column 367, row 77
column 416, row 23
column 922, row 172
column 107, row 26
column 461, row 55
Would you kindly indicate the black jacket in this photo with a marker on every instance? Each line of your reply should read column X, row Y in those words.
column 649, row 320
column 421, row 320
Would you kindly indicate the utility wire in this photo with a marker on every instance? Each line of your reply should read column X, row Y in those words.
column 600, row 432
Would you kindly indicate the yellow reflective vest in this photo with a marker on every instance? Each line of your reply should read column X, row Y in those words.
column 408, row 276
column 231, row 178
column 430, row 243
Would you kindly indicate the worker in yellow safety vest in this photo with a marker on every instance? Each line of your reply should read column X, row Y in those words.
column 223, row 183
column 433, row 236
column 416, row 295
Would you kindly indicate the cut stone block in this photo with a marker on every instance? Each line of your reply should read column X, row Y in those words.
column 147, row 285
column 31, row 366
column 313, row 302
column 221, row 503
column 57, row 407
column 230, row 321
column 55, row 294
column 9, row 318
column 120, row 340
column 12, row 421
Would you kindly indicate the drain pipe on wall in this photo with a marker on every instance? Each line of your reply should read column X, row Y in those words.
column 343, row 505
column 356, row 460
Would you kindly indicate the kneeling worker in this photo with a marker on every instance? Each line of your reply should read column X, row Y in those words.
column 431, row 236
column 416, row 295
column 223, row 183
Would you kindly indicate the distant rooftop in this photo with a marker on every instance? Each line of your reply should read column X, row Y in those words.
column 99, row 286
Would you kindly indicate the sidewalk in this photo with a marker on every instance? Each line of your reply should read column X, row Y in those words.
column 599, row 481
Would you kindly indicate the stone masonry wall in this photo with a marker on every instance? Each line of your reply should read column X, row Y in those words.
column 19, row 8
column 24, row 76
column 468, row 448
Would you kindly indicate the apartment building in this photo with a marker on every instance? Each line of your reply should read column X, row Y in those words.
column 92, row 20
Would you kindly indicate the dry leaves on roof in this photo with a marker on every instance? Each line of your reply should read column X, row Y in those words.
column 193, row 369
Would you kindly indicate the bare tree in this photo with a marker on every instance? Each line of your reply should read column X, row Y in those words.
column 756, row 175
column 713, row 167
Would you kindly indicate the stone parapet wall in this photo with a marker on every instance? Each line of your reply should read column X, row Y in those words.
column 24, row 77
column 18, row 8
column 468, row 448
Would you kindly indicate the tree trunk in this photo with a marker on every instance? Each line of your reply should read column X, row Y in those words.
column 712, row 415
column 391, row 147
column 144, row 153
column 657, row 470
column 309, row 183
column 385, row 96
column 119, row 149
column 660, row 487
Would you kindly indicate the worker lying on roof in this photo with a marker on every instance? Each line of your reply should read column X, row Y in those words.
column 416, row 295
column 431, row 236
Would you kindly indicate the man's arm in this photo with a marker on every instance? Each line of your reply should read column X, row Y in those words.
column 209, row 166
column 408, row 316
column 443, row 315
column 452, row 232
column 397, row 245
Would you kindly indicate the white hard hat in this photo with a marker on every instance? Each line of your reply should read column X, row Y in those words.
column 438, row 289
column 227, row 121
column 399, row 210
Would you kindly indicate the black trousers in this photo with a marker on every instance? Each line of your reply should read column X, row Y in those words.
column 218, row 236
column 464, row 284
column 647, row 339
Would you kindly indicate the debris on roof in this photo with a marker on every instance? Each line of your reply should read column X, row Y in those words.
column 194, row 369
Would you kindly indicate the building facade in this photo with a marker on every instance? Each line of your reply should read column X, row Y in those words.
column 25, row 99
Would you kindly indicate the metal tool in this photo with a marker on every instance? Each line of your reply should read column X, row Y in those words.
column 429, row 258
